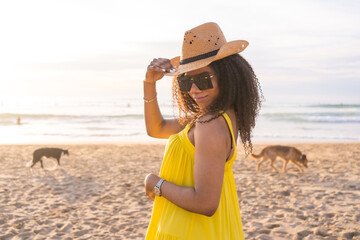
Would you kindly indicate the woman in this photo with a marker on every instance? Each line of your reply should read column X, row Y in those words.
column 218, row 98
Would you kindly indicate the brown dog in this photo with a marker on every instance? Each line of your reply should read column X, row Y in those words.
column 284, row 152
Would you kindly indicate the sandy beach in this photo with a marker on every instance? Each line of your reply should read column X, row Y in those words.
column 99, row 193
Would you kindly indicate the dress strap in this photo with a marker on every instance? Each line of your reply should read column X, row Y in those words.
column 228, row 121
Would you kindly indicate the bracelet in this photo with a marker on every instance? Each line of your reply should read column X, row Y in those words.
column 150, row 100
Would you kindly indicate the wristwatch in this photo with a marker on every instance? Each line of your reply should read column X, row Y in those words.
column 157, row 190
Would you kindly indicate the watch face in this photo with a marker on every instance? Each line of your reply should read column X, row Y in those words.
column 156, row 191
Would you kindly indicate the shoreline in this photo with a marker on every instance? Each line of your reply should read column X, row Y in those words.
column 164, row 141
column 99, row 193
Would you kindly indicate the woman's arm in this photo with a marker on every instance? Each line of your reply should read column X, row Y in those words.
column 212, row 144
column 156, row 125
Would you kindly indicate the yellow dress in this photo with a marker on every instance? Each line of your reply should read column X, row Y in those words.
column 171, row 222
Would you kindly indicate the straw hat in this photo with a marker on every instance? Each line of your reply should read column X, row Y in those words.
column 203, row 45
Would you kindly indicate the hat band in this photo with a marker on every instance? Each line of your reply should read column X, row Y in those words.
column 199, row 57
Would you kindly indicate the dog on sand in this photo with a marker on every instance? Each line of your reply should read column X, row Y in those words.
column 38, row 155
column 286, row 153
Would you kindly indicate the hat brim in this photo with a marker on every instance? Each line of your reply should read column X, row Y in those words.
column 226, row 50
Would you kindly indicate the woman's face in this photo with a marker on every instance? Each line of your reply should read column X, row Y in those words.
column 204, row 98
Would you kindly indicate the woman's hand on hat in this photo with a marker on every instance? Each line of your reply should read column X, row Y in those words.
column 157, row 68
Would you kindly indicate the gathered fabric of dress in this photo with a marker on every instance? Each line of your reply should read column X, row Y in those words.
column 170, row 222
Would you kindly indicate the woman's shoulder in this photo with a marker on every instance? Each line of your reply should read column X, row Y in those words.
column 211, row 122
column 211, row 129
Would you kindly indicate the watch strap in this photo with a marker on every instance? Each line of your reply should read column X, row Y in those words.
column 158, row 186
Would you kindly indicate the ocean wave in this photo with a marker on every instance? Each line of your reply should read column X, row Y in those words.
column 312, row 105
column 307, row 137
column 91, row 134
column 329, row 117
column 337, row 117
column 74, row 116
column 84, row 116
column 339, row 106
column 333, row 119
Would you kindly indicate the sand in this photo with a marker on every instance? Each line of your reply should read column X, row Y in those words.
column 99, row 193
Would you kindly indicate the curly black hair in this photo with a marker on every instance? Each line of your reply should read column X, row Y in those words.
column 239, row 89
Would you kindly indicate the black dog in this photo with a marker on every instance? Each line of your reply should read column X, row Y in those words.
column 49, row 153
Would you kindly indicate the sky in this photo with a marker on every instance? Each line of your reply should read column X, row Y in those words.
column 102, row 47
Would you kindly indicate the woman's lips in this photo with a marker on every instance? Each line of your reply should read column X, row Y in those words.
column 199, row 99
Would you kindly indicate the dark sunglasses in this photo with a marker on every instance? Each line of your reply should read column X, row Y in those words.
column 202, row 81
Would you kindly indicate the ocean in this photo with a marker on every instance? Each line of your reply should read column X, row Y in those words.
column 120, row 118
